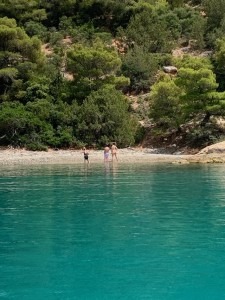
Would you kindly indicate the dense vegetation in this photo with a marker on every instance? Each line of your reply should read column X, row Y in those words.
column 67, row 69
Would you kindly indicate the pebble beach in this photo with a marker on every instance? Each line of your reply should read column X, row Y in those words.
column 127, row 155
column 211, row 154
column 21, row 156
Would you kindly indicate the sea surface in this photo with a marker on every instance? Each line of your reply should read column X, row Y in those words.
column 112, row 232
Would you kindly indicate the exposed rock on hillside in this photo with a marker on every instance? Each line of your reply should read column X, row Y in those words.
column 170, row 69
column 218, row 148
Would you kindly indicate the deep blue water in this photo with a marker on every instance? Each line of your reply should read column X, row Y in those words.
column 112, row 232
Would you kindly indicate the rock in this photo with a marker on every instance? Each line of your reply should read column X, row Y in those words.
column 181, row 162
column 170, row 69
column 215, row 148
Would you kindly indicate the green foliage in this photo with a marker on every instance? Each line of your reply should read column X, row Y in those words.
column 8, row 74
column 198, row 81
column 202, row 137
column 36, row 147
column 55, row 9
column 68, row 92
column 36, row 125
column 192, row 25
column 36, row 29
column 17, row 50
column 151, row 31
column 215, row 11
column 176, row 3
column 22, row 10
column 193, row 62
column 104, row 117
column 14, row 122
column 15, row 40
column 165, row 107
column 198, row 86
column 95, row 63
column 141, row 68
column 219, row 61
column 177, row 100
column 110, row 13
column 94, row 66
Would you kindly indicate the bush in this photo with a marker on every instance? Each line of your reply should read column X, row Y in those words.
column 36, row 147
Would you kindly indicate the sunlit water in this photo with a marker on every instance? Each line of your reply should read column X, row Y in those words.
column 112, row 232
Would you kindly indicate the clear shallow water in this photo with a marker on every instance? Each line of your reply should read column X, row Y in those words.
column 123, row 232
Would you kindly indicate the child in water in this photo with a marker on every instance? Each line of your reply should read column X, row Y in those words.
column 86, row 155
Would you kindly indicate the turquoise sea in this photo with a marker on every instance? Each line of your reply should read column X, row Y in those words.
column 112, row 232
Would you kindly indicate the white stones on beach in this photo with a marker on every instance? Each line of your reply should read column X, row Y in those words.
column 211, row 154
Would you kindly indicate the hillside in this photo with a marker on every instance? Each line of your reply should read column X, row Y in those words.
column 147, row 73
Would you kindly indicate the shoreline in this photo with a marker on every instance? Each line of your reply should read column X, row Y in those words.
column 131, row 156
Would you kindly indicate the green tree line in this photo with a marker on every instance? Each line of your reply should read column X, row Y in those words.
column 68, row 67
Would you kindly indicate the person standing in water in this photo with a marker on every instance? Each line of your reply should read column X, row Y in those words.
column 106, row 153
column 86, row 155
column 114, row 151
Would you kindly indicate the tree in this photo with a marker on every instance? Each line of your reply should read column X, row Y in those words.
column 93, row 66
column 22, row 10
column 18, row 126
column 192, row 25
column 97, row 62
column 176, row 3
column 219, row 62
column 215, row 12
column 190, row 93
column 105, row 13
column 17, row 50
column 35, row 28
column 104, row 117
column 140, row 67
column 55, row 9
column 150, row 30
column 198, row 86
column 166, row 107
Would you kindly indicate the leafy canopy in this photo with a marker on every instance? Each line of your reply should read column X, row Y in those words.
column 192, row 92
